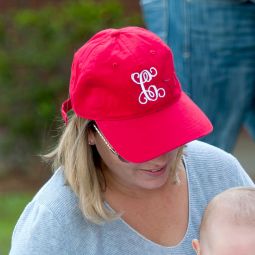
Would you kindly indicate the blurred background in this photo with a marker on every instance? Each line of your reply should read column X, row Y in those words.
column 37, row 42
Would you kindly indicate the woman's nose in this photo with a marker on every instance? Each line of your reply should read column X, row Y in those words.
column 157, row 162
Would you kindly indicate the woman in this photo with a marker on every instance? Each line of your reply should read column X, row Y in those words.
column 127, row 183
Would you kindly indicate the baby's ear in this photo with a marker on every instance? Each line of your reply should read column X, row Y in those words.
column 196, row 246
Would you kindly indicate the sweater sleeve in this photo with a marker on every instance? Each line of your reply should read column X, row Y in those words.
column 243, row 178
column 38, row 232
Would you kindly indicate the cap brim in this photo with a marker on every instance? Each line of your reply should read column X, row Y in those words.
column 142, row 139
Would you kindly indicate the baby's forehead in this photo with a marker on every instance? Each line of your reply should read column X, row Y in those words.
column 232, row 239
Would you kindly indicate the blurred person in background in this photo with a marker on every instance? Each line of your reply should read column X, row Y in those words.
column 130, row 176
column 213, row 42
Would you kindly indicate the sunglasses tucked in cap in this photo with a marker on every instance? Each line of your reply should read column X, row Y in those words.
column 124, row 80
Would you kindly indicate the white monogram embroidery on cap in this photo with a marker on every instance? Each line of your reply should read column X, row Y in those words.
column 152, row 93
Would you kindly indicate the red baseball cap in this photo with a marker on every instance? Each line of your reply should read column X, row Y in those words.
column 124, row 80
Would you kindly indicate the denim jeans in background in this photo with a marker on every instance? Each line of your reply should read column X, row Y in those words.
column 213, row 42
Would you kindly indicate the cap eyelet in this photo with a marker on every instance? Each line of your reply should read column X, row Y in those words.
column 114, row 65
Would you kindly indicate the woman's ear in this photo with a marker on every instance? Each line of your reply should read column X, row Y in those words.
column 91, row 138
column 196, row 246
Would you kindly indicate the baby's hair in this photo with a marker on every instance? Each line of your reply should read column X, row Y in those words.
column 238, row 202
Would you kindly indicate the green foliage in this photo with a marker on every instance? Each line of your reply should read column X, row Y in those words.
column 11, row 206
column 36, row 50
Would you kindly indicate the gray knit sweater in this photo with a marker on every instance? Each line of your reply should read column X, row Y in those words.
column 52, row 223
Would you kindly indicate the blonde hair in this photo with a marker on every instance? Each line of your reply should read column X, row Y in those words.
column 82, row 169
column 238, row 202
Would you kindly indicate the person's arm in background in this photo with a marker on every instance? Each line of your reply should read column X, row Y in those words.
column 155, row 14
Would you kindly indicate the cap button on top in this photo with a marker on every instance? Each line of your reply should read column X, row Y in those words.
column 115, row 33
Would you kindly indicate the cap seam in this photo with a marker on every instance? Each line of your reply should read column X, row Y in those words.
column 130, row 117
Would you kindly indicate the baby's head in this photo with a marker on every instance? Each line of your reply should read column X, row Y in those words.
column 228, row 224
